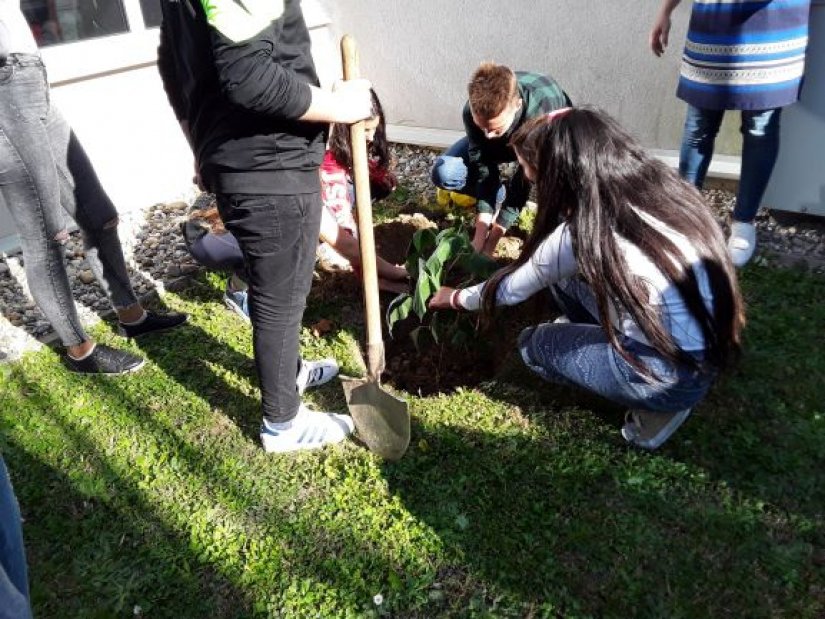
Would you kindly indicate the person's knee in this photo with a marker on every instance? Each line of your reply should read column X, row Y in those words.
column 524, row 344
column 61, row 237
column 701, row 126
column 760, row 125
column 449, row 173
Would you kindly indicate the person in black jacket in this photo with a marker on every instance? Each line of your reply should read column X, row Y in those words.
column 241, row 80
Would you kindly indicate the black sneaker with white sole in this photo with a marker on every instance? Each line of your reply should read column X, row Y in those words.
column 105, row 360
column 153, row 323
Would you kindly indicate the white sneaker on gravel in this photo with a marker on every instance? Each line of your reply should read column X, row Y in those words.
column 742, row 242
column 307, row 430
column 316, row 373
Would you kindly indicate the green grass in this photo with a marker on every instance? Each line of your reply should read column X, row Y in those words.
column 517, row 499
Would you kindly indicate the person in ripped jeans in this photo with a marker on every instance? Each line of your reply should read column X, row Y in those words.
column 43, row 172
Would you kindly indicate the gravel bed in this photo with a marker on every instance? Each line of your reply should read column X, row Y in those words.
column 157, row 256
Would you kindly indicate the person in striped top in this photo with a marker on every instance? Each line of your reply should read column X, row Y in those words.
column 739, row 55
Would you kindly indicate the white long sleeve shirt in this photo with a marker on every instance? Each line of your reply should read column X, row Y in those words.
column 555, row 260
column 15, row 35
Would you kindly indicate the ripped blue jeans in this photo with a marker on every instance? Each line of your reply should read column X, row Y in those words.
column 44, row 175
column 578, row 354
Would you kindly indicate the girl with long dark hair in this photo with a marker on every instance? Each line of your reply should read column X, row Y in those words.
column 638, row 265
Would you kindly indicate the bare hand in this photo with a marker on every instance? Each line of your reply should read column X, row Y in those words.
column 399, row 272
column 352, row 100
column 441, row 299
column 660, row 34
column 482, row 230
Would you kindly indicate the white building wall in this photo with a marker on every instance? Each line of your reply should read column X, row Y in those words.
column 421, row 54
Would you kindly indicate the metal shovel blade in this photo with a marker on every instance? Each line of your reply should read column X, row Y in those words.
column 382, row 420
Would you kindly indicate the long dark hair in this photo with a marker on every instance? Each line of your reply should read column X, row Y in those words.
column 595, row 177
column 378, row 149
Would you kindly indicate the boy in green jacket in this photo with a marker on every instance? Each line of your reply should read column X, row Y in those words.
column 500, row 101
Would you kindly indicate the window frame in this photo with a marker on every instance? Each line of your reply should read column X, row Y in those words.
column 87, row 58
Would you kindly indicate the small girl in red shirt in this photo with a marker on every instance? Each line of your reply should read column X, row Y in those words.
column 215, row 248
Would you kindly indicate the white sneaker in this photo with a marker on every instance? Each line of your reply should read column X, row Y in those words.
column 316, row 373
column 650, row 430
column 331, row 260
column 742, row 242
column 308, row 430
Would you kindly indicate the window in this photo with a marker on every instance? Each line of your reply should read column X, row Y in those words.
column 63, row 21
column 151, row 13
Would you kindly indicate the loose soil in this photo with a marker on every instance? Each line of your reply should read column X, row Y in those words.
column 436, row 368
column 442, row 368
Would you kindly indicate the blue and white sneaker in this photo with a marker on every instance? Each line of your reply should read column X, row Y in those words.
column 308, row 430
column 316, row 373
column 238, row 302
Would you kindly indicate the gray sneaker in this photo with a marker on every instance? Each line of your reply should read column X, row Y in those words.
column 104, row 360
column 649, row 430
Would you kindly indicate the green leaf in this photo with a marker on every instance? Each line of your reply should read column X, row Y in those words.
column 412, row 265
column 459, row 339
column 447, row 250
column 479, row 266
column 423, row 291
column 419, row 336
column 424, row 241
column 398, row 309
column 435, row 325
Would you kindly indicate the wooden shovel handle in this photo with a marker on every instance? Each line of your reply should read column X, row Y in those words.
column 363, row 203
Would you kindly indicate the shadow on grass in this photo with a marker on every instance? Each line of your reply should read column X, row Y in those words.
column 568, row 524
column 761, row 429
column 206, row 366
column 97, row 547
column 249, row 532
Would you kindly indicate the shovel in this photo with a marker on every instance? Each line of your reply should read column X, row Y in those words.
column 382, row 420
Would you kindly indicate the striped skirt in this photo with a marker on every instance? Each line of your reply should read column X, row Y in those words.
column 744, row 54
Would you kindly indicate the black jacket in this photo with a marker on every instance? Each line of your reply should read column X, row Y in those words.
column 240, row 80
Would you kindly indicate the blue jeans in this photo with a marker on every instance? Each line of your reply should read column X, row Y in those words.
column 451, row 171
column 43, row 172
column 578, row 354
column 218, row 252
column 14, row 587
column 760, row 147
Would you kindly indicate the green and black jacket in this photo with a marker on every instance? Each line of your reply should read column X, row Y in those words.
column 540, row 94
column 239, row 73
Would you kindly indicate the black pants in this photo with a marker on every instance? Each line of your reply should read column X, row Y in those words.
column 278, row 236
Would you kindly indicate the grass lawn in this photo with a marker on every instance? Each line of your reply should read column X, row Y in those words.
column 148, row 495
